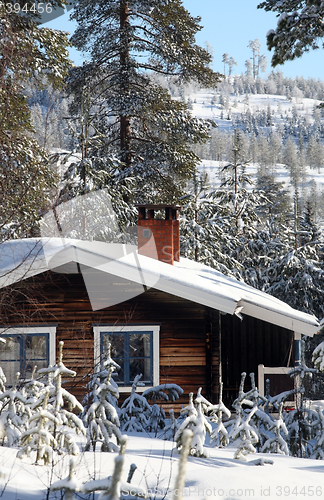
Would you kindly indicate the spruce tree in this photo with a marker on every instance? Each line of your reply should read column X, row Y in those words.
column 205, row 234
column 128, row 42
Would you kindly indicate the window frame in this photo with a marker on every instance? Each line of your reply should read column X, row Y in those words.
column 155, row 354
column 36, row 330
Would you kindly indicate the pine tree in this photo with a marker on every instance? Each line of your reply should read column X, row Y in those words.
column 298, row 29
column 144, row 128
column 26, row 177
column 255, row 46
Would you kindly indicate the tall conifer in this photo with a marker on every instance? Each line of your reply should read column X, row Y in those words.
column 130, row 41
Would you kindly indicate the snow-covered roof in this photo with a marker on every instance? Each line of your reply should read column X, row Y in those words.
column 20, row 259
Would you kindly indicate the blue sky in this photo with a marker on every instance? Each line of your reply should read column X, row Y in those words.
column 228, row 26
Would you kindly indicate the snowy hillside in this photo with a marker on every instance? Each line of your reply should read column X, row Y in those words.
column 268, row 124
column 204, row 105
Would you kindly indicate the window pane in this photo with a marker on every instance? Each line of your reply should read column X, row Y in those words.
column 137, row 366
column 36, row 347
column 117, row 346
column 29, row 367
column 117, row 353
column 11, row 349
column 132, row 351
column 10, row 369
column 139, row 345
column 21, row 353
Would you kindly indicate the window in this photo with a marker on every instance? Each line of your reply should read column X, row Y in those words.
column 24, row 348
column 134, row 348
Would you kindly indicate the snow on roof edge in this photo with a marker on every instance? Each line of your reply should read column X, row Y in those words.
column 187, row 279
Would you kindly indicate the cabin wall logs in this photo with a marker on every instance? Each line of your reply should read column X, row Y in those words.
column 189, row 334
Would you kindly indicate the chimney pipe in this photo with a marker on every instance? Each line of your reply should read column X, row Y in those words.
column 165, row 243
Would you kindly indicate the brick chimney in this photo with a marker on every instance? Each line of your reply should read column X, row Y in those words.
column 165, row 244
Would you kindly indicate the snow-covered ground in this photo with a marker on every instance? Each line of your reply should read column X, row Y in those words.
column 218, row 477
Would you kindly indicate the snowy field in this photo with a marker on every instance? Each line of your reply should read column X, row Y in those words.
column 218, row 477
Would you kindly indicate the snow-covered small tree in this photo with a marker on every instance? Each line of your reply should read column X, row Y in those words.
column 14, row 414
column 246, row 437
column 318, row 427
column 197, row 422
column 70, row 485
column 164, row 392
column 99, row 377
column 171, row 427
column 39, row 435
column 135, row 411
column 242, row 433
column 300, row 421
column 220, row 433
column 3, row 380
column 277, row 442
column 101, row 419
column 58, row 397
column 318, row 357
column 32, row 388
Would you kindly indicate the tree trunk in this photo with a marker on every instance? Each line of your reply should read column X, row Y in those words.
column 125, row 122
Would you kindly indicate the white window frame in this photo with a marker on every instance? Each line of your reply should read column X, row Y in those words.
column 25, row 330
column 133, row 328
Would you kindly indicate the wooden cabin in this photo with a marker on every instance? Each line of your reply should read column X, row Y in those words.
column 169, row 318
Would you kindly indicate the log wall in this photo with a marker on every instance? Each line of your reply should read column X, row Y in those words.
column 189, row 333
